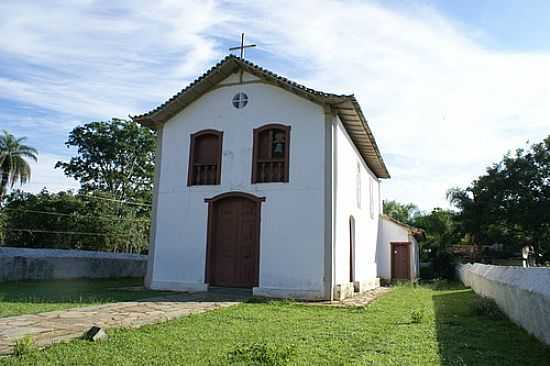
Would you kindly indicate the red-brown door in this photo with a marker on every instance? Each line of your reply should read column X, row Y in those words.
column 233, row 243
column 400, row 261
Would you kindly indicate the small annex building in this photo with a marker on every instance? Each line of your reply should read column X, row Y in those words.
column 266, row 184
column 398, row 253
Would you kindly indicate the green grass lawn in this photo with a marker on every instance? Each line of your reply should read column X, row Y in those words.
column 27, row 297
column 380, row 334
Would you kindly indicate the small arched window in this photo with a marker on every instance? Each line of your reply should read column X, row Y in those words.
column 205, row 158
column 271, row 153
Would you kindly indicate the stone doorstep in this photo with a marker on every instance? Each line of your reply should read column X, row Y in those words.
column 358, row 299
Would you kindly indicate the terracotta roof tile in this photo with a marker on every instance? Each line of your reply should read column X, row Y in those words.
column 353, row 119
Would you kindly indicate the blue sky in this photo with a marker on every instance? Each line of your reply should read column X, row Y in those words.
column 448, row 86
column 505, row 25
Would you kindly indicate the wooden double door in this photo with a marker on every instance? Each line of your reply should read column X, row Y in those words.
column 233, row 249
column 400, row 261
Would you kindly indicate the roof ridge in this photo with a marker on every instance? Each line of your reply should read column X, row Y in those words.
column 341, row 103
column 247, row 63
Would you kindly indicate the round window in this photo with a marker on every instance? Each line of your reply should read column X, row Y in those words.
column 240, row 100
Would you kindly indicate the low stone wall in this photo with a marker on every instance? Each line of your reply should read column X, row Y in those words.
column 522, row 293
column 49, row 264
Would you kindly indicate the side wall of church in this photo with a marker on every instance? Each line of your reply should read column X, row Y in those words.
column 358, row 200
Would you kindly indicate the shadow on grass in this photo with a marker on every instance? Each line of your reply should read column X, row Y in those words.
column 468, row 339
column 442, row 285
column 73, row 291
column 99, row 291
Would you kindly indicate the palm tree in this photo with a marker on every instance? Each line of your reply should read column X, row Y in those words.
column 13, row 166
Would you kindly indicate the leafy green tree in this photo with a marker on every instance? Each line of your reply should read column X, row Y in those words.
column 440, row 228
column 510, row 203
column 116, row 157
column 66, row 220
column 403, row 212
column 13, row 163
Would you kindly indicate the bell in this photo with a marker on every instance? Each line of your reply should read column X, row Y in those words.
column 278, row 148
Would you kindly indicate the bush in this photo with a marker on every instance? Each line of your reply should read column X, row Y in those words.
column 23, row 346
column 262, row 354
column 417, row 316
column 444, row 264
column 66, row 220
column 484, row 306
column 426, row 271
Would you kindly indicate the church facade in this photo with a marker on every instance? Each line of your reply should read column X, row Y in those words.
column 263, row 183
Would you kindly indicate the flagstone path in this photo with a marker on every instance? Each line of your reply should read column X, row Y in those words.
column 56, row 326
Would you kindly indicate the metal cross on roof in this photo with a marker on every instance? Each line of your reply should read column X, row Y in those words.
column 242, row 46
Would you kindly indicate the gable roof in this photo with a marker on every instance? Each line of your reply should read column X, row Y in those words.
column 346, row 106
column 414, row 231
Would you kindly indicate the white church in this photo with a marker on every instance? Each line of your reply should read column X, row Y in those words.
column 266, row 184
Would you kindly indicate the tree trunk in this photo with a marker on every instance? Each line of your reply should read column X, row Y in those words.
column 3, row 184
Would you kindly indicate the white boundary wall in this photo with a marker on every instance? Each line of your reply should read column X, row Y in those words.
column 522, row 293
column 17, row 264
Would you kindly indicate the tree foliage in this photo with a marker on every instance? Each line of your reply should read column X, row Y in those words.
column 510, row 203
column 116, row 157
column 66, row 220
column 13, row 163
column 402, row 212
column 440, row 231
column 440, row 228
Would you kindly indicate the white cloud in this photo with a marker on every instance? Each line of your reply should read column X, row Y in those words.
column 441, row 104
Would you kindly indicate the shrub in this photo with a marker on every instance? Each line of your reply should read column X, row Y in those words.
column 66, row 220
column 23, row 346
column 417, row 316
column 444, row 265
column 426, row 271
column 261, row 354
column 485, row 306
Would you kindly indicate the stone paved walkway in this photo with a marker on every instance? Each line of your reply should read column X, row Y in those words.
column 56, row 326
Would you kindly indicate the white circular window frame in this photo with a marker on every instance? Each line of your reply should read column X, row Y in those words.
column 240, row 100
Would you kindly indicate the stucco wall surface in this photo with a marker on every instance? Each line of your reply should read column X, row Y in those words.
column 522, row 293
column 48, row 264
column 291, row 241
column 358, row 196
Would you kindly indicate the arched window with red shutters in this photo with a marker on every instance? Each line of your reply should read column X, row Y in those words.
column 270, row 162
column 205, row 158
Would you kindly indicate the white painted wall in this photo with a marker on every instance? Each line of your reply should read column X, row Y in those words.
column 291, row 235
column 348, row 160
column 392, row 232
column 522, row 293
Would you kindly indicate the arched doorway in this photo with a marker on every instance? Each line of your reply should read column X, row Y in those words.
column 351, row 249
column 233, row 244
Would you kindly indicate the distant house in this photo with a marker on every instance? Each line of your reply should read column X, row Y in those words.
column 398, row 252
column 266, row 184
